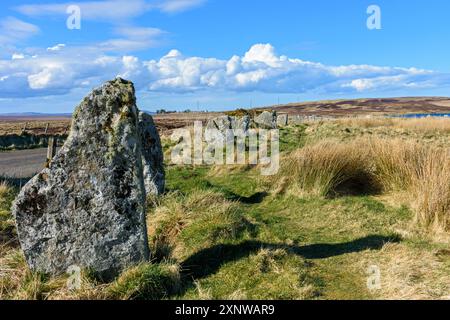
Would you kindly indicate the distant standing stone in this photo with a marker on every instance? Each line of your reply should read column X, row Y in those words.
column 267, row 120
column 242, row 123
column 88, row 207
column 282, row 120
column 226, row 126
column 152, row 155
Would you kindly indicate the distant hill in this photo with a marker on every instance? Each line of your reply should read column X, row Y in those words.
column 40, row 116
column 366, row 106
column 34, row 116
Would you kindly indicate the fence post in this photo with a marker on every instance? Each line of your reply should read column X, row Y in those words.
column 46, row 128
column 51, row 150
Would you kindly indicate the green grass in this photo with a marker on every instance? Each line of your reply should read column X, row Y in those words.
column 7, row 228
column 319, row 239
column 145, row 282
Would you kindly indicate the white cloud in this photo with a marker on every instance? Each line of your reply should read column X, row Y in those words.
column 173, row 6
column 58, row 72
column 90, row 10
column 14, row 30
column 133, row 39
column 109, row 10
column 58, row 47
column 262, row 53
column 17, row 56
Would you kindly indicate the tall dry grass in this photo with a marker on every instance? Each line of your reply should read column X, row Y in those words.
column 4, row 189
column 319, row 169
column 420, row 171
column 422, row 125
column 432, row 191
column 397, row 163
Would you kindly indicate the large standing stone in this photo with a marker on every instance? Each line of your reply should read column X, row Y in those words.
column 153, row 157
column 88, row 207
column 267, row 120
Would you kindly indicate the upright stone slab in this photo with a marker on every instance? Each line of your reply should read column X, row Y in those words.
column 282, row 120
column 88, row 207
column 221, row 123
column 242, row 123
column 152, row 156
column 267, row 120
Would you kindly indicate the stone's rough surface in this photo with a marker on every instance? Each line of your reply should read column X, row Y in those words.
column 224, row 123
column 88, row 207
column 282, row 120
column 242, row 123
column 152, row 156
column 221, row 123
column 266, row 120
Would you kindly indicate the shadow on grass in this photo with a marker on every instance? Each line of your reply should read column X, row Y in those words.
column 208, row 261
column 253, row 199
column 230, row 195
column 8, row 237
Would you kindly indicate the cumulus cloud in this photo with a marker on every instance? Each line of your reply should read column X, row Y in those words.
column 260, row 69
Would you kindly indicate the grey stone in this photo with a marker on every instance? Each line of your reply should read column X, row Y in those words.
column 282, row 120
column 224, row 127
column 87, row 208
column 152, row 156
column 242, row 123
column 221, row 123
column 266, row 120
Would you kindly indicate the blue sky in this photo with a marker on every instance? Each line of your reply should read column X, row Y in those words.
column 221, row 54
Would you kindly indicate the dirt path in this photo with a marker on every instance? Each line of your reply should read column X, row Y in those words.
column 22, row 163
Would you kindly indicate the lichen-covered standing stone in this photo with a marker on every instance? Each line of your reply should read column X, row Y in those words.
column 87, row 208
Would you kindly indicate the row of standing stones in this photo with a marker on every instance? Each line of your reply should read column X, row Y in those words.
column 265, row 120
column 87, row 207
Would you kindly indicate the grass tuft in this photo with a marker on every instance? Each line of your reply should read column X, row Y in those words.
column 326, row 168
column 146, row 282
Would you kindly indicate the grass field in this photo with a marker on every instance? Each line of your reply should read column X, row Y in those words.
column 350, row 195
